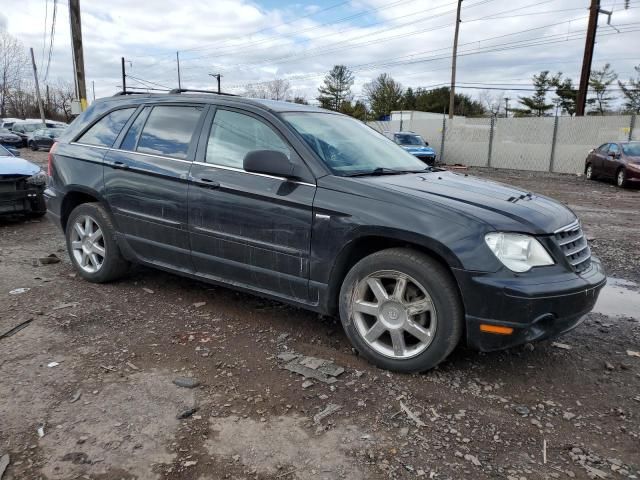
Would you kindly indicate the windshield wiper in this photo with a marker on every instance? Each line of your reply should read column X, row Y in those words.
column 385, row 171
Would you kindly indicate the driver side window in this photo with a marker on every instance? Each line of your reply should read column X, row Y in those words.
column 235, row 134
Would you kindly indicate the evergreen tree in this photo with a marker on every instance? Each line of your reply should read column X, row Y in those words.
column 536, row 104
column 599, row 83
column 336, row 88
column 631, row 91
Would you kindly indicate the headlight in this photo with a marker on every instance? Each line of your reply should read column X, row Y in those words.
column 39, row 178
column 519, row 253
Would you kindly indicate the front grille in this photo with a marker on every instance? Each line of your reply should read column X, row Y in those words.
column 573, row 244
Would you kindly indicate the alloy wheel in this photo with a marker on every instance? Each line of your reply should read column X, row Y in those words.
column 87, row 244
column 589, row 172
column 394, row 314
column 621, row 178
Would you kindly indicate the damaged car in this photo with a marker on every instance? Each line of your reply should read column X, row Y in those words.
column 22, row 185
column 314, row 208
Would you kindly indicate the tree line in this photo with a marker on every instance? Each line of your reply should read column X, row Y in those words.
column 17, row 89
column 384, row 94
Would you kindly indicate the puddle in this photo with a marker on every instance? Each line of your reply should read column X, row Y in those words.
column 619, row 298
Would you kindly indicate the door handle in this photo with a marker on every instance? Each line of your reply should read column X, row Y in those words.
column 207, row 183
column 120, row 165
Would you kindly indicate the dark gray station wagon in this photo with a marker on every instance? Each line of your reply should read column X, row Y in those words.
column 316, row 209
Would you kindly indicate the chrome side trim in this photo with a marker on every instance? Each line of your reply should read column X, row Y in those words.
column 240, row 170
column 213, row 165
column 147, row 216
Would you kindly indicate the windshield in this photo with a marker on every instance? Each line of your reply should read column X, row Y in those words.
column 407, row 139
column 631, row 149
column 347, row 146
column 31, row 127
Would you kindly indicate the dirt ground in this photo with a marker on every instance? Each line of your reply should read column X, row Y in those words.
column 87, row 392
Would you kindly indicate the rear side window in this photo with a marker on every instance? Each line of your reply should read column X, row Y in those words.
column 233, row 135
column 603, row 148
column 169, row 130
column 613, row 148
column 105, row 131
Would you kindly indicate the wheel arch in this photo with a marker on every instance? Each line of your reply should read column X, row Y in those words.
column 368, row 242
column 77, row 195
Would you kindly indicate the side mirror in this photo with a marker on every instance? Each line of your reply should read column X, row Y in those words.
column 426, row 144
column 268, row 162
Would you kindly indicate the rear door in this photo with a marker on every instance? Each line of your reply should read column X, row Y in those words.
column 146, row 181
column 597, row 158
column 249, row 229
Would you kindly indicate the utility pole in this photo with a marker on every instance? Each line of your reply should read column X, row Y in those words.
column 124, row 76
column 178, row 61
column 78, row 57
column 35, row 76
column 452, row 93
column 506, row 107
column 93, row 89
column 581, row 99
column 217, row 75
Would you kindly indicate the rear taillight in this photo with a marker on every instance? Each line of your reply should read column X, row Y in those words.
column 50, row 158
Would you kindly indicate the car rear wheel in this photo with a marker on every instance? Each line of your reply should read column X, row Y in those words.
column 589, row 173
column 621, row 178
column 92, row 246
column 33, row 146
column 401, row 310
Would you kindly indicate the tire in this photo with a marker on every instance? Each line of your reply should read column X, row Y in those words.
column 425, row 279
column 33, row 146
column 621, row 178
column 103, row 247
column 589, row 172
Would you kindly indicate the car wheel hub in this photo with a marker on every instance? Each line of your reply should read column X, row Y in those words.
column 394, row 314
column 87, row 244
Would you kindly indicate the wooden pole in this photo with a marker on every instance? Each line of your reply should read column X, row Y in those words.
column 35, row 77
column 76, row 44
column 452, row 93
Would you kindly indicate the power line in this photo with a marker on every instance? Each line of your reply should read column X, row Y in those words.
column 52, row 36
column 146, row 81
column 44, row 33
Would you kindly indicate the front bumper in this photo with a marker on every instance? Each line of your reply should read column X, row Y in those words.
column 535, row 307
column 22, row 201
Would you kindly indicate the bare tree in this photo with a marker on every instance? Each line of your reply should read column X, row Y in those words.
column 492, row 101
column 278, row 89
column 12, row 63
column 62, row 95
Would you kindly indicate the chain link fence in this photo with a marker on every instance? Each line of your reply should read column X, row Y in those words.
column 552, row 144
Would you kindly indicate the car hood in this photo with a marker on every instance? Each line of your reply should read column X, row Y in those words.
column 17, row 166
column 419, row 150
column 501, row 206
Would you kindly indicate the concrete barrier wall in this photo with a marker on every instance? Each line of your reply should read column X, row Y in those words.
column 558, row 144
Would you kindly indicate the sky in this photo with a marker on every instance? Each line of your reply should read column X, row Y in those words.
column 502, row 43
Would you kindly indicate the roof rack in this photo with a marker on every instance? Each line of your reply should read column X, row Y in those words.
column 186, row 90
column 137, row 92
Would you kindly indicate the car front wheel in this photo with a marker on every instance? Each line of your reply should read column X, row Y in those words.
column 401, row 310
column 33, row 146
column 92, row 246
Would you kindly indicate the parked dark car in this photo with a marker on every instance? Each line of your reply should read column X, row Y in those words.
column 316, row 209
column 9, row 139
column 22, row 185
column 617, row 160
column 24, row 128
column 43, row 138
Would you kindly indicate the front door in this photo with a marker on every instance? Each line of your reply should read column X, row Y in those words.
column 146, row 182
column 248, row 229
column 611, row 161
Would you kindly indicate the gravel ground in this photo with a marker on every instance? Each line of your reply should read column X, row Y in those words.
column 107, row 407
